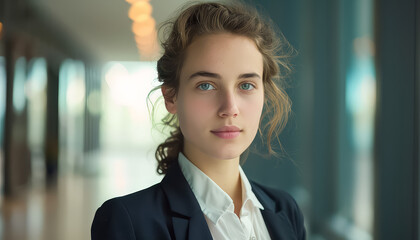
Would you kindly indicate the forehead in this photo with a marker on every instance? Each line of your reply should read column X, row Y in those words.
column 226, row 54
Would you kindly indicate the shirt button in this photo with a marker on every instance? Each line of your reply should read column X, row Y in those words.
column 252, row 238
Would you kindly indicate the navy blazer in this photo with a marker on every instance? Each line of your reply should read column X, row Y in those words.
column 169, row 210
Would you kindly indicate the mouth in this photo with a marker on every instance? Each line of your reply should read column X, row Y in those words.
column 227, row 132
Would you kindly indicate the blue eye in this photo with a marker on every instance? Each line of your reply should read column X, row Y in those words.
column 205, row 86
column 246, row 86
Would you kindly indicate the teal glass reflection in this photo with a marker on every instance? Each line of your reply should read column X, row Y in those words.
column 360, row 104
column 71, row 112
column 19, row 98
column 36, row 91
column 2, row 97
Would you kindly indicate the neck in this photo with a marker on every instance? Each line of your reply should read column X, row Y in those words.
column 224, row 172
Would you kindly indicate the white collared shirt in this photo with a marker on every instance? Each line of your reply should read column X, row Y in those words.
column 218, row 207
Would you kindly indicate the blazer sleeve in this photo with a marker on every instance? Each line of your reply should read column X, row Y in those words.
column 299, row 222
column 281, row 201
column 112, row 222
column 295, row 215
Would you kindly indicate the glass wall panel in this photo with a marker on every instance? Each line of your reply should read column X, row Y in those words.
column 2, row 115
column 19, row 97
column 36, row 91
column 128, row 137
column 71, row 113
column 354, row 218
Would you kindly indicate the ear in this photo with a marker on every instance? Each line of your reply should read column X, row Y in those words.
column 169, row 99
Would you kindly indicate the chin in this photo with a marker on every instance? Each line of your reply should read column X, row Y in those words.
column 227, row 155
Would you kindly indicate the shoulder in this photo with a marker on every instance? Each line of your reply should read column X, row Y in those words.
column 280, row 201
column 140, row 200
column 140, row 214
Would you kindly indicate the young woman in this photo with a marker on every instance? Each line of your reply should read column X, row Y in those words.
column 217, row 73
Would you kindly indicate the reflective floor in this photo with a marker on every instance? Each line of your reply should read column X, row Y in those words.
column 64, row 209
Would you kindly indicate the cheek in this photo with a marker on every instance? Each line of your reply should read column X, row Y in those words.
column 200, row 106
column 252, row 111
column 193, row 111
column 253, row 107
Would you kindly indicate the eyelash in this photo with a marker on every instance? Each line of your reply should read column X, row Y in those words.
column 201, row 84
column 250, row 84
column 210, row 84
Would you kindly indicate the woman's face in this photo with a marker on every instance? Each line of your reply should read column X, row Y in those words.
column 220, row 97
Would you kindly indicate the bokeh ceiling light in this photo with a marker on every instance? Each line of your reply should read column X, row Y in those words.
column 147, row 40
column 148, row 54
column 140, row 11
column 147, row 48
column 134, row 1
column 144, row 28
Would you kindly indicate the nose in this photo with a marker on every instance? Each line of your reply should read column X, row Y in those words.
column 228, row 106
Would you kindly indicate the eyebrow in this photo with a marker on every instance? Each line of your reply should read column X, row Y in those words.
column 205, row 74
column 217, row 76
column 249, row 75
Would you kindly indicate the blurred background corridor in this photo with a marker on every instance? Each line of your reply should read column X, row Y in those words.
column 75, row 128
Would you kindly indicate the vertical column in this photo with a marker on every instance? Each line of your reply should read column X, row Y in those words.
column 51, row 135
column 16, row 152
column 396, row 142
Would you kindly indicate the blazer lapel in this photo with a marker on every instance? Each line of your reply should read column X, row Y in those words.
column 191, row 228
column 187, row 218
column 278, row 224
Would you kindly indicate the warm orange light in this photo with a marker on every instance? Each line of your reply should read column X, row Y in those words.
column 147, row 47
column 144, row 40
column 1, row 27
column 149, row 54
column 134, row 1
column 144, row 28
column 139, row 11
column 364, row 46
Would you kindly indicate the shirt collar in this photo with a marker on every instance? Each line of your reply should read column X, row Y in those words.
column 213, row 201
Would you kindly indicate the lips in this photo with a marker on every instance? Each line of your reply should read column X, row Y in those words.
column 227, row 132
